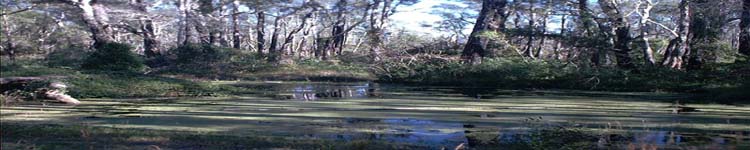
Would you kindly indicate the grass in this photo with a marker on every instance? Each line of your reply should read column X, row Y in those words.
column 45, row 136
column 114, row 84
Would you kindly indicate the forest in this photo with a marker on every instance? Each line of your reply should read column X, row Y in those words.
column 375, row 74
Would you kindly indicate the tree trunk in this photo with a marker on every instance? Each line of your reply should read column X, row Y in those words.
column 545, row 19
column 528, row 52
column 54, row 90
column 94, row 15
column 338, row 34
column 261, row 31
column 150, row 43
column 620, row 29
column 490, row 21
column 648, row 53
column 223, row 37
column 562, row 36
column 184, row 6
column 680, row 45
column 273, row 51
column 377, row 23
column 288, row 50
column 203, row 31
column 10, row 45
column 236, row 41
column 744, row 46
column 586, row 29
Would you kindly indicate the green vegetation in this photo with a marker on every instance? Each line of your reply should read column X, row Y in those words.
column 364, row 74
column 515, row 73
column 25, row 136
column 211, row 62
column 113, row 57
column 115, row 84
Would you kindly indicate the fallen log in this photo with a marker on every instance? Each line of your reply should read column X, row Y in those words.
column 62, row 97
column 53, row 90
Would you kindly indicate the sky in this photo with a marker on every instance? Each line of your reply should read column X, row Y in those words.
column 412, row 17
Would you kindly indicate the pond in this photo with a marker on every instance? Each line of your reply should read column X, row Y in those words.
column 433, row 116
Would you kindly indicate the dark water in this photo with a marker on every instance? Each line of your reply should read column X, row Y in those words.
column 450, row 134
column 437, row 117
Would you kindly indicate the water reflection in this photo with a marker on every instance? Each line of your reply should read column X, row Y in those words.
column 433, row 116
column 427, row 132
column 313, row 92
column 450, row 134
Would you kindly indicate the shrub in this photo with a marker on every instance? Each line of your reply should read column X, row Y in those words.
column 124, row 84
column 204, row 60
column 537, row 74
column 66, row 57
column 204, row 53
column 113, row 57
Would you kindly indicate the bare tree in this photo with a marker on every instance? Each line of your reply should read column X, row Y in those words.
column 680, row 45
column 619, row 31
column 146, row 29
column 490, row 21
column 645, row 13
column 236, row 39
column 260, row 30
column 379, row 13
column 94, row 15
column 528, row 52
column 185, row 8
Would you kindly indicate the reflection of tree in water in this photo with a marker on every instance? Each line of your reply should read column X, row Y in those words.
column 332, row 91
column 405, row 130
column 570, row 138
column 479, row 93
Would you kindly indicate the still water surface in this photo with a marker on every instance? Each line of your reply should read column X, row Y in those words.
column 435, row 116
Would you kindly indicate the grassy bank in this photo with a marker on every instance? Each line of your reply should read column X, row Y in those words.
column 115, row 84
column 714, row 82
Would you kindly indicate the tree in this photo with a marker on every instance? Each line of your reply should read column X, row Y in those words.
column 10, row 45
column 236, row 40
column 334, row 44
column 146, row 29
column 185, row 8
column 619, row 32
column 379, row 13
column 586, row 30
column 94, row 15
column 645, row 13
column 260, row 30
column 679, row 46
column 530, row 31
column 491, row 20
column 744, row 42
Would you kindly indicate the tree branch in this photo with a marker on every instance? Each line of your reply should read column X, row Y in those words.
column 18, row 11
